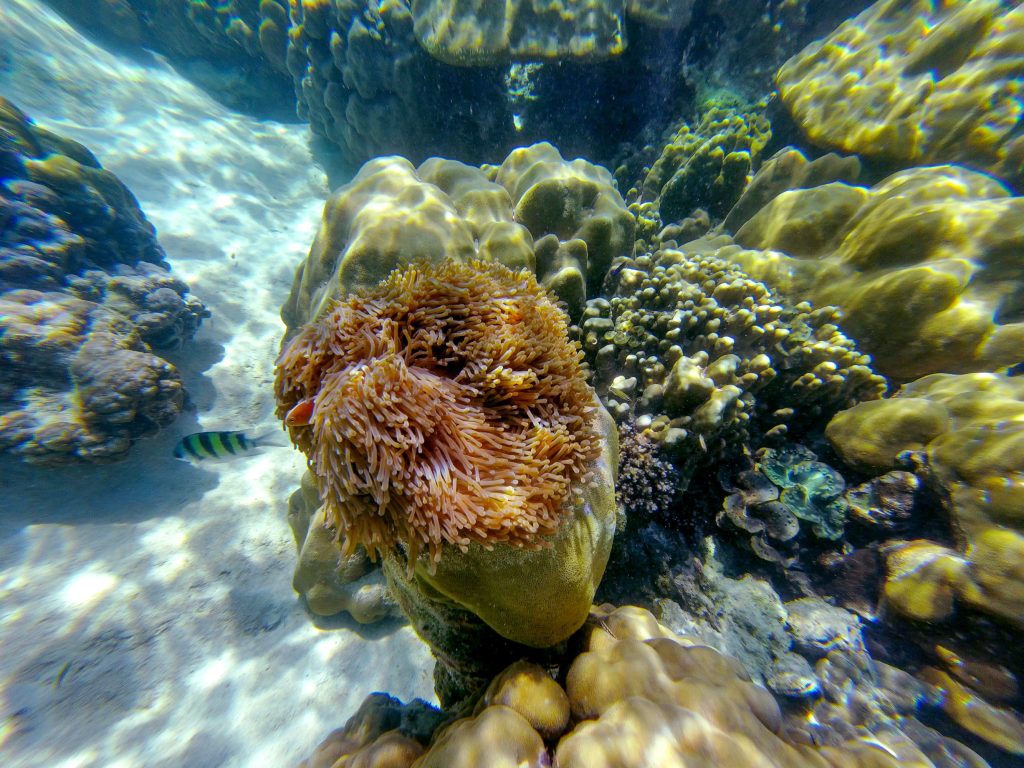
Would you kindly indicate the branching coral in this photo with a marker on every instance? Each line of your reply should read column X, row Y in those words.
column 449, row 408
column 710, row 360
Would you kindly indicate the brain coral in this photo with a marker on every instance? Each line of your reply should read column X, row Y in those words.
column 917, row 82
column 925, row 265
column 637, row 695
column 450, row 407
column 709, row 360
column 971, row 428
column 86, row 294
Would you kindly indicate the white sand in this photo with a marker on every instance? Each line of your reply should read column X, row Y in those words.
column 146, row 609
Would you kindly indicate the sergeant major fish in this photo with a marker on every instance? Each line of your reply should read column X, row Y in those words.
column 203, row 446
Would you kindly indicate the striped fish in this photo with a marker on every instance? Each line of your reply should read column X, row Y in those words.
column 202, row 446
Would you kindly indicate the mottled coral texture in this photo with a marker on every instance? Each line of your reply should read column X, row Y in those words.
column 450, row 408
column 85, row 296
column 637, row 695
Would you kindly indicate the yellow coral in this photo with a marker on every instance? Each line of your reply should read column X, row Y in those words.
column 972, row 428
column 915, row 83
column 921, row 264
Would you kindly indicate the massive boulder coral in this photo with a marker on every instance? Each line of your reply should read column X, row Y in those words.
column 576, row 214
column 918, row 82
column 635, row 695
column 86, row 295
column 235, row 49
column 329, row 581
column 709, row 360
column 445, row 412
column 971, row 429
column 924, row 265
column 392, row 213
column 366, row 85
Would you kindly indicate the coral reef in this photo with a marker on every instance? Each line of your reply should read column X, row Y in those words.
column 709, row 360
column 329, row 581
column 78, row 384
column 788, row 485
column 450, row 415
column 637, row 694
column 970, row 429
column 913, row 83
column 496, row 32
column 788, row 169
column 922, row 265
column 365, row 84
column 575, row 213
column 450, row 407
column 86, row 294
column 392, row 214
column 235, row 49
column 705, row 166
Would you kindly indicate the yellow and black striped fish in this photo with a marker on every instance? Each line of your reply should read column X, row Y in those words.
column 214, row 445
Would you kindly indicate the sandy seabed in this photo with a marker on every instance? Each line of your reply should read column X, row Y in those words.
column 146, row 610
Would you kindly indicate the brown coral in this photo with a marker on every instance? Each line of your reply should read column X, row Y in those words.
column 450, row 408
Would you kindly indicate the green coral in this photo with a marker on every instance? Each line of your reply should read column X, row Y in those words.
column 922, row 265
column 706, row 165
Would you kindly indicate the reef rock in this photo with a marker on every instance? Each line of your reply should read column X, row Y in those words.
column 85, row 298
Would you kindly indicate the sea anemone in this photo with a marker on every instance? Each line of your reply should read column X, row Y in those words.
column 446, row 405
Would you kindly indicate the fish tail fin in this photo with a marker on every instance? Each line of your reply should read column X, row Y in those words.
column 272, row 437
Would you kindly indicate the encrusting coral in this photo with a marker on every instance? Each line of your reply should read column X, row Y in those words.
column 917, row 82
column 636, row 695
column 449, row 407
column 85, row 294
column 970, row 428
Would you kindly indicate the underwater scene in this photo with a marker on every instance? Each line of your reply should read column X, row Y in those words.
column 511, row 383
